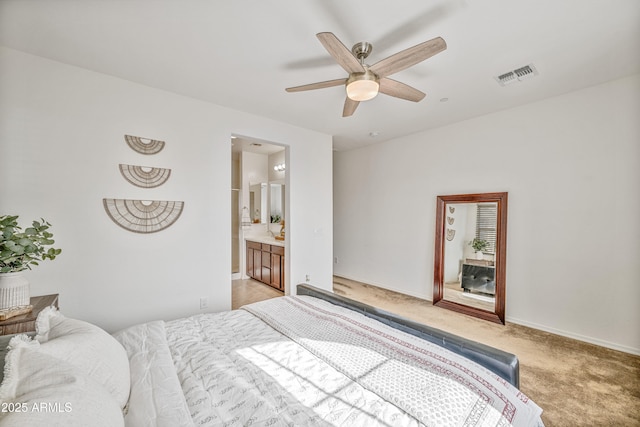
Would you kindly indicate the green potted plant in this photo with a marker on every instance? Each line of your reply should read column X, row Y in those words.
column 20, row 250
column 479, row 245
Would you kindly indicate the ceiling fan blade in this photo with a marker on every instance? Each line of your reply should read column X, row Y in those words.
column 408, row 57
column 349, row 107
column 340, row 53
column 319, row 85
column 400, row 90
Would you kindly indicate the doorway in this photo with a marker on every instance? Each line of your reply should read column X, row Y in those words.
column 259, row 197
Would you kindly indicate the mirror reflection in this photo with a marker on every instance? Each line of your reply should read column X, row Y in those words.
column 258, row 202
column 277, row 202
column 266, row 203
column 469, row 254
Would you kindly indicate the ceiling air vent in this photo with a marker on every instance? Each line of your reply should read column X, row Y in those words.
column 517, row 75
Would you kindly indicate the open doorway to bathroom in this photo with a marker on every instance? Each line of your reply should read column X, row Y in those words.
column 258, row 225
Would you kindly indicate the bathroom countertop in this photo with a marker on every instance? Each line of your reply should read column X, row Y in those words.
column 265, row 239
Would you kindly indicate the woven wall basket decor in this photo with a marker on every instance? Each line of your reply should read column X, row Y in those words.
column 144, row 145
column 143, row 216
column 144, row 176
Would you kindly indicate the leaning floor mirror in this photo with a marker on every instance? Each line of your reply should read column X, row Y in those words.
column 470, row 254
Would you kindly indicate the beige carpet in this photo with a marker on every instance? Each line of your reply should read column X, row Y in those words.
column 575, row 383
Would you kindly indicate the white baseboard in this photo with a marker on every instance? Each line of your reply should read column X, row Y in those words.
column 578, row 337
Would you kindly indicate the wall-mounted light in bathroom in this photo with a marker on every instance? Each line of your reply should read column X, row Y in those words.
column 279, row 168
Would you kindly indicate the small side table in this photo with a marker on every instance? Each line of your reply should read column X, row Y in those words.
column 27, row 322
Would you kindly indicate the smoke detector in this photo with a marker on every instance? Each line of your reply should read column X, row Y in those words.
column 517, row 75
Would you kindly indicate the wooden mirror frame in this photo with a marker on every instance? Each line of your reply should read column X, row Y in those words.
column 497, row 315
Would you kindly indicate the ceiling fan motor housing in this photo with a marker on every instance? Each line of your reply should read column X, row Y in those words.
column 362, row 50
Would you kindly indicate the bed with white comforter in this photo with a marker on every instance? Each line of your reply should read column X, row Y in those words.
column 301, row 361
column 316, row 359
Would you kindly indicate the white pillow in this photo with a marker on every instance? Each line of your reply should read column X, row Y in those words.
column 89, row 348
column 40, row 390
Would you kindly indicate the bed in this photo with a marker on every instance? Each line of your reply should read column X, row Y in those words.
column 478, row 278
column 314, row 359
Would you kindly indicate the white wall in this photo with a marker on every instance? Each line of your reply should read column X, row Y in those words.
column 276, row 159
column 61, row 139
column 571, row 165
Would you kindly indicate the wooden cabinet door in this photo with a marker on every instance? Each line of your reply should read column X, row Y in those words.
column 250, row 261
column 266, row 267
column 257, row 265
column 277, row 267
column 282, row 273
column 276, row 271
column 254, row 260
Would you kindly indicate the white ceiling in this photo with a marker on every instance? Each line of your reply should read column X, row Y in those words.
column 254, row 145
column 243, row 53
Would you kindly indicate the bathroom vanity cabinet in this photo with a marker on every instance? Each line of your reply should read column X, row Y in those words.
column 265, row 263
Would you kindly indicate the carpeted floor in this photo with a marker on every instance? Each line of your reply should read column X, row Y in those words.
column 575, row 383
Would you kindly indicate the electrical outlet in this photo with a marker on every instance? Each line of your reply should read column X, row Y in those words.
column 308, row 278
column 204, row 303
column 335, row 260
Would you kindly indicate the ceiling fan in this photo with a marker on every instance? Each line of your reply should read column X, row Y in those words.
column 364, row 81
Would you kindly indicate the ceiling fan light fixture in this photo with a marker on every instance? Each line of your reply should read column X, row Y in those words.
column 362, row 86
column 364, row 81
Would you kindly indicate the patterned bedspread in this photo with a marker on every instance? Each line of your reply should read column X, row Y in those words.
column 432, row 384
column 300, row 361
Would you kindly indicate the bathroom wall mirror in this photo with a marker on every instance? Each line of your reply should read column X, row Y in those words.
column 258, row 198
column 470, row 254
column 276, row 210
column 266, row 202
